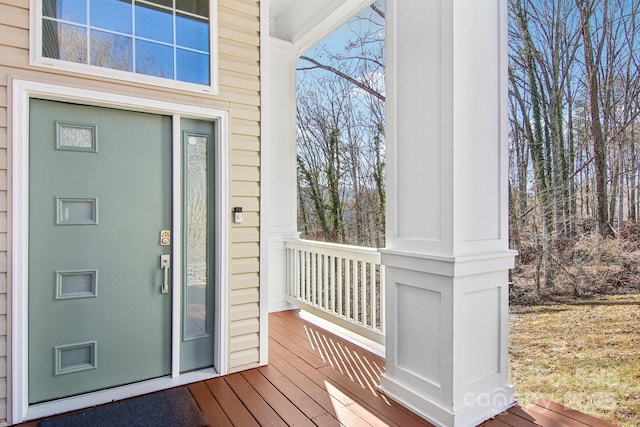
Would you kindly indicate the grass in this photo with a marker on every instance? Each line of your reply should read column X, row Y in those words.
column 583, row 354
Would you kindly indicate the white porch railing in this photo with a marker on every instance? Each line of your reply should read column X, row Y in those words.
column 340, row 283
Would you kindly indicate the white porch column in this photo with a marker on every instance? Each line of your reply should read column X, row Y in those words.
column 447, row 251
column 281, row 202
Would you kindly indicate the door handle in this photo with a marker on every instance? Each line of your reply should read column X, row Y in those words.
column 165, row 264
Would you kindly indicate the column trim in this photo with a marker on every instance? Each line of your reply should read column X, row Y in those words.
column 450, row 266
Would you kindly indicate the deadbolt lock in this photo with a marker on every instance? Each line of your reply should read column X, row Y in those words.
column 165, row 237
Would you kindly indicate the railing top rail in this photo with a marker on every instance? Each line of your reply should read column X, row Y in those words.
column 335, row 249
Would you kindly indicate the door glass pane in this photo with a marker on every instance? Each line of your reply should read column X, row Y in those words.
column 196, row 192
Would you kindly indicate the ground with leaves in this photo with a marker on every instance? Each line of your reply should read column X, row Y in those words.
column 583, row 354
column 584, row 267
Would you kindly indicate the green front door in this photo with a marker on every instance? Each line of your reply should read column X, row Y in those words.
column 99, row 197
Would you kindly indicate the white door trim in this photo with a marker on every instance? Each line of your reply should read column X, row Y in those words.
column 22, row 91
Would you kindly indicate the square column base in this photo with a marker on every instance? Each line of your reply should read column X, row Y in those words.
column 447, row 335
column 476, row 409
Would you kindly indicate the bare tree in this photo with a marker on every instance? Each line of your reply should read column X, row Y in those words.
column 574, row 87
column 341, row 122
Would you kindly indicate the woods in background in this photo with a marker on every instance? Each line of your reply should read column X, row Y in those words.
column 340, row 135
column 574, row 100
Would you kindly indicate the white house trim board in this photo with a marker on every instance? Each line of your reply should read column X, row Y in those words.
column 21, row 92
column 176, row 270
column 265, row 96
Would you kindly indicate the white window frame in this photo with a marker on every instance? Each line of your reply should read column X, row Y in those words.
column 36, row 58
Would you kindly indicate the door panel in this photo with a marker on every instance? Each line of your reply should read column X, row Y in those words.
column 100, row 192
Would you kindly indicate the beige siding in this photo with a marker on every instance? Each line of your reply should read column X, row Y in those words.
column 239, row 51
column 239, row 82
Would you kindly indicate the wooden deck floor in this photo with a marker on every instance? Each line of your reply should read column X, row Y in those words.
column 315, row 378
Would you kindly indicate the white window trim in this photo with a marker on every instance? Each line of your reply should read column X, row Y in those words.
column 36, row 58
column 22, row 92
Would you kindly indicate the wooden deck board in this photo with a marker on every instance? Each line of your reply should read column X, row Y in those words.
column 259, row 408
column 348, row 403
column 211, row 409
column 543, row 416
column 317, row 378
column 295, row 394
column 570, row 413
column 278, row 401
column 233, row 407
column 515, row 417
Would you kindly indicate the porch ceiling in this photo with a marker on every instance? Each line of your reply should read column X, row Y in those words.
column 305, row 22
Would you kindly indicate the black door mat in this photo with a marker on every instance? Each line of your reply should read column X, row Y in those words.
column 175, row 408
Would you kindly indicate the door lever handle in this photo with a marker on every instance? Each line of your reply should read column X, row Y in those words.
column 165, row 264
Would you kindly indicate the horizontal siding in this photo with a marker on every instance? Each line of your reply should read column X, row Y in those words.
column 238, row 49
column 239, row 68
column 250, row 249
column 245, row 359
column 244, row 342
column 246, row 112
column 14, row 16
column 241, row 35
column 246, row 173
column 249, row 7
column 240, row 96
column 247, row 189
column 244, row 235
column 244, row 296
column 242, row 66
column 246, row 142
column 245, row 157
column 241, row 82
column 246, row 280
column 250, row 204
column 245, row 127
column 243, row 327
column 14, row 22
column 233, row 18
column 245, row 311
column 14, row 37
column 244, row 265
column 239, row 93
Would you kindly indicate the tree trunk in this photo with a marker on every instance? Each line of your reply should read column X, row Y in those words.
column 634, row 175
column 599, row 143
column 537, row 146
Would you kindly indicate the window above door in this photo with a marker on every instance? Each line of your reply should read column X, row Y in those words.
column 171, row 43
